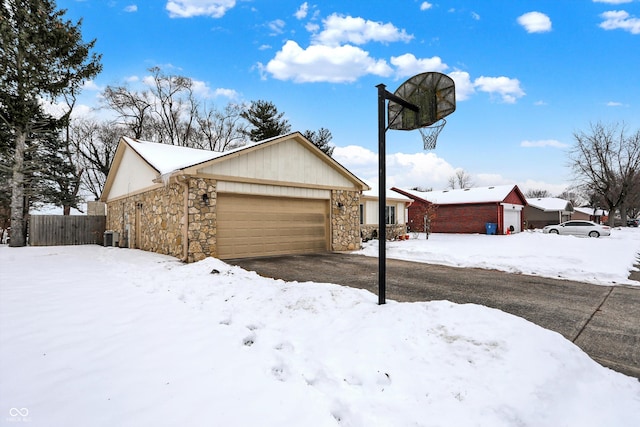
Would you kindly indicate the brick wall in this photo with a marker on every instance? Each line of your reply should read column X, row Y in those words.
column 471, row 218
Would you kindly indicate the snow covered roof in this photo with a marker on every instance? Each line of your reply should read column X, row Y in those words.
column 589, row 211
column 167, row 158
column 550, row 204
column 491, row 194
column 389, row 194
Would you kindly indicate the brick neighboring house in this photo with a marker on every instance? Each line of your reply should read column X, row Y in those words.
column 469, row 210
column 278, row 196
column 542, row 211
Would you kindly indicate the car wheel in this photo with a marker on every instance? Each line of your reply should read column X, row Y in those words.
column 553, row 231
column 594, row 234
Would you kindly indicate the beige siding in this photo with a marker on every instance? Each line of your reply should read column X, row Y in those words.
column 371, row 212
column 134, row 174
column 288, row 161
column 272, row 190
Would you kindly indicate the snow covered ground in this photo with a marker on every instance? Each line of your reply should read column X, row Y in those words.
column 604, row 261
column 99, row 336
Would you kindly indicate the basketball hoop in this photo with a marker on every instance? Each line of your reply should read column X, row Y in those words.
column 430, row 134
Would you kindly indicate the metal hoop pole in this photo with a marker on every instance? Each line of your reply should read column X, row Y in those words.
column 382, row 196
column 383, row 95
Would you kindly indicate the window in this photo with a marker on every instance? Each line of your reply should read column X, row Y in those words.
column 361, row 214
column 390, row 215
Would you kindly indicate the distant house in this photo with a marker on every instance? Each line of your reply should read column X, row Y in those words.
column 590, row 214
column 278, row 196
column 395, row 214
column 468, row 210
column 543, row 211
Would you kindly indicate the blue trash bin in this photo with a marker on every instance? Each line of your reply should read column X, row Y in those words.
column 491, row 227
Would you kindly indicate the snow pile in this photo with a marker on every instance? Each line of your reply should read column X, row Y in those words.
column 104, row 336
column 603, row 261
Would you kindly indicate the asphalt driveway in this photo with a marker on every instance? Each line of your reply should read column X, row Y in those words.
column 602, row 320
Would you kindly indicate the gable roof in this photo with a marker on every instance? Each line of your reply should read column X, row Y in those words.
column 493, row 194
column 166, row 160
column 550, row 204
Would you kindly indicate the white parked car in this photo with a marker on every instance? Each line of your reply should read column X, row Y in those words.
column 578, row 228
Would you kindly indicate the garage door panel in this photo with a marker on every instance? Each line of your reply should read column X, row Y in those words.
column 262, row 226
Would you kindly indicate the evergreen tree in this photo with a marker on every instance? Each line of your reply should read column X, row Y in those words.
column 41, row 56
column 321, row 139
column 265, row 121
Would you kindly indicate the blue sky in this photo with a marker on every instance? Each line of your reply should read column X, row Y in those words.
column 529, row 74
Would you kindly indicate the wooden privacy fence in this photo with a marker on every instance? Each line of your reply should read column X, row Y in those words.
column 53, row 230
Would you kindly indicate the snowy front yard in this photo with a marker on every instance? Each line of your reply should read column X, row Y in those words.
column 115, row 337
column 602, row 261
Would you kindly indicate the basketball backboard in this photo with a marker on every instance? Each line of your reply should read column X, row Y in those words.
column 433, row 93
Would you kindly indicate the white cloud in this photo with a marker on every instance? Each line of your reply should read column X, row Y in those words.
column 90, row 85
column 619, row 19
column 346, row 29
column 543, row 143
column 475, row 16
column 555, row 189
column 403, row 170
column 131, row 8
column 276, row 27
column 191, row 8
column 425, row 5
column 612, row 1
column 535, row 22
column 464, row 87
column 203, row 90
column 408, row 65
column 227, row 93
column 508, row 89
column 317, row 63
column 312, row 27
column 614, row 104
column 302, row 11
column 539, row 103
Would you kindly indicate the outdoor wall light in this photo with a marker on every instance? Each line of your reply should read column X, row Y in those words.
column 205, row 200
column 340, row 205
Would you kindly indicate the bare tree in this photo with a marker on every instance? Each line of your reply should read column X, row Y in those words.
column 175, row 108
column 96, row 145
column 426, row 213
column 461, row 179
column 536, row 193
column 221, row 130
column 169, row 112
column 133, row 108
column 606, row 163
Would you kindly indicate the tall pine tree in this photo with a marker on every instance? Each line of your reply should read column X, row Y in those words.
column 265, row 120
column 41, row 56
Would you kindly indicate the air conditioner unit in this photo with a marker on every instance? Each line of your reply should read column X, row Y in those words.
column 111, row 238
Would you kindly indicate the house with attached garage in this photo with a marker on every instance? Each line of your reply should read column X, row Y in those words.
column 278, row 196
column 468, row 210
column 542, row 211
column 396, row 212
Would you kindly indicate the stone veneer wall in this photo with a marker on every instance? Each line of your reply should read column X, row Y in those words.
column 161, row 220
column 345, row 220
column 202, row 219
